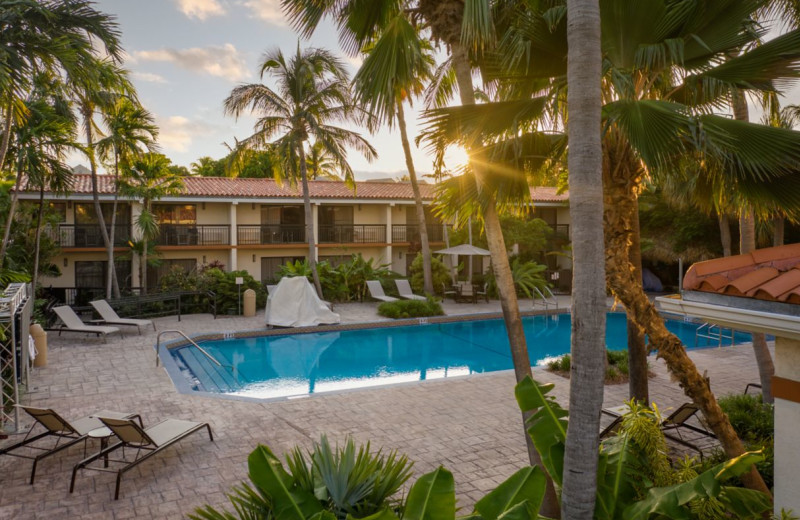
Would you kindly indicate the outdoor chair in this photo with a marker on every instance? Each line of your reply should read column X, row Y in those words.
column 110, row 316
column 677, row 423
column 613, row 427
column 483, row 292
column 449, row 292
column 376, row 291
column 466, row 293
column 751, row 385
column 404, row 288
column 72, row 323
column 56, row 426
column 145, row 442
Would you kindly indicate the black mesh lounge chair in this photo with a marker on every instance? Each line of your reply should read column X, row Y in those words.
column 144, row 442
column 59, row 428
column 676, row 423
column 613, row 427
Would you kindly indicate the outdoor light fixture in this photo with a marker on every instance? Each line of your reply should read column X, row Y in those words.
column 204, row 258
column 254, row 258
column 65, row 262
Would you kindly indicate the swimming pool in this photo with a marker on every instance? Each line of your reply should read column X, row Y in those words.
column 288, row 366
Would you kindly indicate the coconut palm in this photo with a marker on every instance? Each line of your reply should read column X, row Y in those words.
column 130, row 131
column 55, row 36
column 320, row 164
column 658, row 103
column 147, row 179
column 393, row 72
column 313, row 91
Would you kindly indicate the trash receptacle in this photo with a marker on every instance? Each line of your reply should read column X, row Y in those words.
column 249, row 303
column 40, row 341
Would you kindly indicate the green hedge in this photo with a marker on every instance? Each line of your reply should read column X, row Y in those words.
column 410, row 309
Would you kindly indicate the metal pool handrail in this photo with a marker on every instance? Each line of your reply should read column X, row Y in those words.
column 191, row 341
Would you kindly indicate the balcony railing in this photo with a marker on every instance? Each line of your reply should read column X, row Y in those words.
column 410, row 233
column 353, row 234
column 561, row 231
column 88, row 235
column 270, row 234
column 194, row 235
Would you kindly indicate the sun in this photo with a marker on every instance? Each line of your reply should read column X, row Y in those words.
column 456, row 156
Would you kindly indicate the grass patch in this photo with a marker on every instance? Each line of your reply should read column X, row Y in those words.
column 410, row 309
column 616, row 368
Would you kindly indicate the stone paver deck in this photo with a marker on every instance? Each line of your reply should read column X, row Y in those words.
column 471, row 425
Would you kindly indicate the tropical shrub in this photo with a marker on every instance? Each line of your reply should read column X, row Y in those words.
column 616, row 369
column 327, row 483
column 410, row 308
column 348, row 281
column 221, row 283
column 527, row 277
column 439, row 271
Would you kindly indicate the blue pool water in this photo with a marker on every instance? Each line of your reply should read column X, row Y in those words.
column 301, row 364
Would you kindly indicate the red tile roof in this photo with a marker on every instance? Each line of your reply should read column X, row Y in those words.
column 224, row 187
column 771, row 274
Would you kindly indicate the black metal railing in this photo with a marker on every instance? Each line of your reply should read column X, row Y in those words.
column 353, row 234
column 410, row 233
column 88, row 235
column 561, row 231
column 194, row 235
column 270, row 234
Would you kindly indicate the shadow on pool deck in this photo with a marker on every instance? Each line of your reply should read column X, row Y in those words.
column 471, row 425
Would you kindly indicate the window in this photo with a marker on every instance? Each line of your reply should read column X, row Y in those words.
column 156, row 273
column 335, row 215
column 335, row 260
column 286, row 215
column 85, row 213
column 549, row 215
column 176, row 213
column 271, row 264
column 90, row 279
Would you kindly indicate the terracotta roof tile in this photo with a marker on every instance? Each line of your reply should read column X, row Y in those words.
column 750, row 282
column 224, row 187
column 714, row 283
column 720, row 265
column 775, row 288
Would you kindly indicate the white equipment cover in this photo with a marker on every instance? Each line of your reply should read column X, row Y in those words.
column 294, row 303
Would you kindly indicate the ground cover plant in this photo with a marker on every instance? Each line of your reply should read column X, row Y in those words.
column 616, row 367
column 410, row 309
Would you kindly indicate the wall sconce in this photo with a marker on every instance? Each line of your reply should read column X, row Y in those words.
column 69, row 204
column 203, row 206
column 359, row 207
column 400, row 255
column 204, row 258
column 253, row 206
column 254, row 258
column 66, row 262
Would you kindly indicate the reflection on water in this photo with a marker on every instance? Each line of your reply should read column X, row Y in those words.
column 302, row 364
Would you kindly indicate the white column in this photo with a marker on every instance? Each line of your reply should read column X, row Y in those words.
column 787, row 424
column 234, row 237
column 389, row 257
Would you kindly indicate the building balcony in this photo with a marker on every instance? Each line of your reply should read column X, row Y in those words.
column 194, row 235
column 266, row 234
column 88, row 235
column 410, row 233
column 353, row 234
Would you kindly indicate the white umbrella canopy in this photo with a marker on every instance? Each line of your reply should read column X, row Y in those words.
column 464, row 249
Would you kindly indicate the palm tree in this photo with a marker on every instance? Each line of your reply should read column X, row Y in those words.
column 312, row 91
column 148, row 179
column 657, row 103
column 131, row 130
column 56, row 36
column 320, row 164
column 393, row 72
column 588, row 276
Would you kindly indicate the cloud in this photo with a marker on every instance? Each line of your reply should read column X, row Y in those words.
column 224, row 62
column 200, row 9
column 148, row 76
column 177, row 132
column 267, row 10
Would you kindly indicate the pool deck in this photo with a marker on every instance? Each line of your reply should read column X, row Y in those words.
column 470, row 425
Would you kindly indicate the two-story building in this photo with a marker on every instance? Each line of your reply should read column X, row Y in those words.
column 251, row 224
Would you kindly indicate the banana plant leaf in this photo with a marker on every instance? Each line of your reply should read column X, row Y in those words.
column 289, row 501
column 432, row 497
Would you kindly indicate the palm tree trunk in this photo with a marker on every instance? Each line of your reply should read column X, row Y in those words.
column 638, row 385
column 766, row 368
column 9, row 117
column 87, row 128
column 112, row 283
column 588, row 347
column 421, row 220
column 143, row 266
column 505, row 282
column 38, row 241
column 312, row 257
column 778, row 230
column 10, row 217
column 725, row 233
column 619, row 200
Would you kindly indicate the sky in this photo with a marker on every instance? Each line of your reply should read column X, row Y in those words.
column 185, row 57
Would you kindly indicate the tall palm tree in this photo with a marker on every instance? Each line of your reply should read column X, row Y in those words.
column 320, row 164
column 657, row 103
column 147, row 179
column 313, row 91
column 54, row 36
column 131, row 130
column 588, row 348
column 392, row 73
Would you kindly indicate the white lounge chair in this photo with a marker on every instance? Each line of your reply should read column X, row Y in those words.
column 110, row 316
column 72, row 323
column 404, row 288
column 376, row 291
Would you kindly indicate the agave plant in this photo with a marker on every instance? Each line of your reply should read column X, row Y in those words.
column 327, row 483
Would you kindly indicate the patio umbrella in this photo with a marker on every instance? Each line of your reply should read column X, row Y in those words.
column 464, row 250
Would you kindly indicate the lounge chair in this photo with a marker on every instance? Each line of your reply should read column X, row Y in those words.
column 404, row 288
column 72, row 323
column 613, row 427
column 376, row 291
column 145, row 442
column 56, row 426
column 677, row 422
column 484, row 292
column 111, row 317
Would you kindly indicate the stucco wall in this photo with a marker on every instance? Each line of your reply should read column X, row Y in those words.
column 787, row 426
